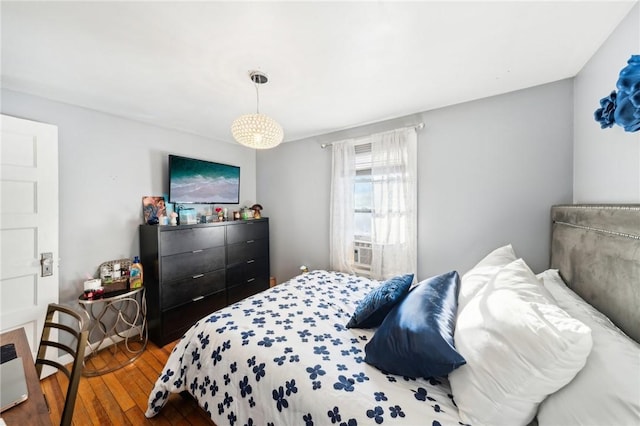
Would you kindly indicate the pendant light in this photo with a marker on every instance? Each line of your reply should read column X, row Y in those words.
column 257, row 130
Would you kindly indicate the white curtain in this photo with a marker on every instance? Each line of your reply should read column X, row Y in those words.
column 394, row 227
column 341, row 221
column 394, row 204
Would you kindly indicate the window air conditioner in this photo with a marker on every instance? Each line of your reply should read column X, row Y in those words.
column 362, row 253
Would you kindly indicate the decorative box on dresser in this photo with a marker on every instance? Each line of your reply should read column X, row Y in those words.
column 193, row 270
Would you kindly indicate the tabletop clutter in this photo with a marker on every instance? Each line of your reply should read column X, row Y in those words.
column 115, row 275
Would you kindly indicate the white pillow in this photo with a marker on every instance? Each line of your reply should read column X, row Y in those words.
column 607, row 390
column 478, row 276
column 519, row 347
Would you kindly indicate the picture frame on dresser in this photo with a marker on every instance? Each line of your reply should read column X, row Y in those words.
column 153, row 207
column 193, row 270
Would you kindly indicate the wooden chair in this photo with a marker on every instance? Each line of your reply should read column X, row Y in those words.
column 72, row 327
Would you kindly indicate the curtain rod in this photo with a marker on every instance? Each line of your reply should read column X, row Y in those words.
column 418, row 126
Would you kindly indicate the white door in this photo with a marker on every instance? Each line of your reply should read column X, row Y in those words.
column 28, row 223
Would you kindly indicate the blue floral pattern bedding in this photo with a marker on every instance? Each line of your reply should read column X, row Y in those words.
column 285, row 357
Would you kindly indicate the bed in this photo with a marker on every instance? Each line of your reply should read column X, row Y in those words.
column 286, row 357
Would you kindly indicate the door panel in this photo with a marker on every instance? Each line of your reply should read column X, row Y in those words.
column 28, row 223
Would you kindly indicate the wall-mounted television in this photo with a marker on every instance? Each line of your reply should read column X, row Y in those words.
column 193, row 181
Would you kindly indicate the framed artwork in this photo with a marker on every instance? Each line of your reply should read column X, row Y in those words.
column 153, row 208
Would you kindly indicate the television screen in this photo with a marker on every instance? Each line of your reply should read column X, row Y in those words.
column 202, row 182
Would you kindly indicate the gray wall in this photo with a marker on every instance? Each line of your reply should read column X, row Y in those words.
column 606, row 161
column 106, row 165
column 489, row 171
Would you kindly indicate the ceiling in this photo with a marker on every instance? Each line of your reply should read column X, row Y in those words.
column 331, row 65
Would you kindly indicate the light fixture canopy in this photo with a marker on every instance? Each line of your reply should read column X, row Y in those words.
column 257, row 130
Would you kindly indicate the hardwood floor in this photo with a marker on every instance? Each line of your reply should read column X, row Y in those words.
column 120, row 397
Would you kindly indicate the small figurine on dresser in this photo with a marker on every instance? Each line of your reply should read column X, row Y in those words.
column 256, row 211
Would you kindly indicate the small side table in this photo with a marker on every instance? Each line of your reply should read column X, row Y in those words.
column 125, row 339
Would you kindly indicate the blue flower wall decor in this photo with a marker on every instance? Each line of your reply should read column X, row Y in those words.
column 623, row 107
column 605, row 114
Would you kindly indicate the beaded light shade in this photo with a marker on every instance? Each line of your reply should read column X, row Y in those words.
column 257, row 130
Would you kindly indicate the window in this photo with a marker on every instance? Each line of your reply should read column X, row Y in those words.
column 373, row 211
column 362, row 209
column 363, row 193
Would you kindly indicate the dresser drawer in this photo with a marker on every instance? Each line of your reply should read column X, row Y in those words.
column 256, row 268
column 178, row 320
column 193, row 263
column 240, row 292
column 247, row 231
column 194, row 288
column 190, row 239
column 248, row 272
column 241, row 252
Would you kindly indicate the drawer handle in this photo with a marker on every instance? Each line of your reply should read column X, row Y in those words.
column 198, row 276
column 196, row 251
column 195, row 299
column 250, row 241
column 250, row 280
column 251, row 261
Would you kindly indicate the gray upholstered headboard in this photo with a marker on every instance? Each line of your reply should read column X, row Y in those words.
column 597, row 250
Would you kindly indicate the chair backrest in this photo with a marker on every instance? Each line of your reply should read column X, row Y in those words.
column 72, row 326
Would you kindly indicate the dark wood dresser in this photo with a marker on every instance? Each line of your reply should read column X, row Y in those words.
column 193, row 270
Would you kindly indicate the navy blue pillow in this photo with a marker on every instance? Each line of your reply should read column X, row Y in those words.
column 416, row 338
column 376, row 305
